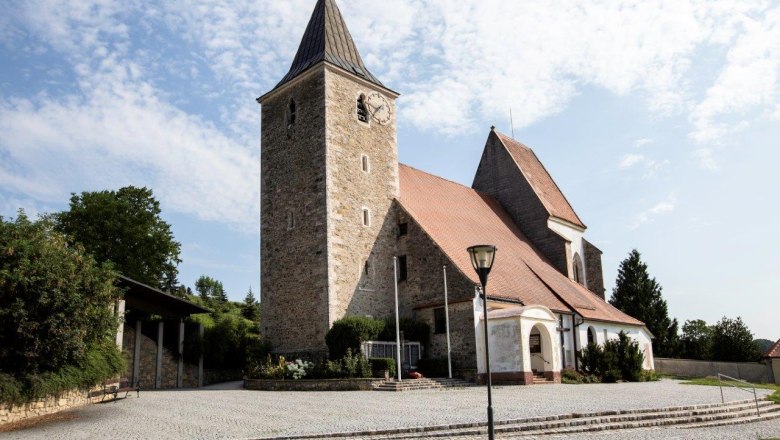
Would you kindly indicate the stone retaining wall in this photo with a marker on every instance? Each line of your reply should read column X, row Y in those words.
column 310, row 384
column 749, row 371
column 49, row 405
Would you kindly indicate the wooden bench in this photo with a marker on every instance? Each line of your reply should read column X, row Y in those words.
column 112, row 388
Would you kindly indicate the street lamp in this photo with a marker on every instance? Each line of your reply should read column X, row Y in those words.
column 482, row 257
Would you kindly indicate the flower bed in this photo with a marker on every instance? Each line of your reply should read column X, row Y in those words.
column 355, row 384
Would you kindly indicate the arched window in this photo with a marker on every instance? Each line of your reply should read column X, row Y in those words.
column 591, row 335
column 291, row 113
column 576, row 266
column 362, row 113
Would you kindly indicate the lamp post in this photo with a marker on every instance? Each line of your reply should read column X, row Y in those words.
column 482, row 257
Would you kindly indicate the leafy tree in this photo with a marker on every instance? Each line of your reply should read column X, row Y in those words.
column 251, row 308
column 638, row 295
column 54, row 300
column 763, row 345
column 732, row 341
column 211, row 290
column 124, row 227
column 696, row 340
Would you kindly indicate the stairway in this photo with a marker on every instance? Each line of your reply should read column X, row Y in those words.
column 692, row 416
column 419, row 384
column 539, row 379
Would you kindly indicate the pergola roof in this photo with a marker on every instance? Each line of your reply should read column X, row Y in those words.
column 143, row 298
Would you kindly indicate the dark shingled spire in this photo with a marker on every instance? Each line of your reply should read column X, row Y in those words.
column 327, row 38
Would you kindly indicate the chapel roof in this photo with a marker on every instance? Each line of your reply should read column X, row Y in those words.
column 774, row 351
column 327, row 39
column 540, row 180
column 456, row 217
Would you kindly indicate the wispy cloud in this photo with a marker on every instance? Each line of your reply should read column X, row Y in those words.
column 663, row 207
column 639, row 143
column 651, row 167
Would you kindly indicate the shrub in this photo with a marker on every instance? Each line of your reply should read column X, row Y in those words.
column 648, row 376
column 102, row 361
column 413, row 331
column 618, row 359
column 355, row 365
column 348, row 333
column 433, row 367
column 54, row 299
column 270, row 369
column 591, row 359
column 378, row 365
column 297, row 369
column 571, row 376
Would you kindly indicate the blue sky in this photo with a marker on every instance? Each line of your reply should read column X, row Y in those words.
column 659, row 120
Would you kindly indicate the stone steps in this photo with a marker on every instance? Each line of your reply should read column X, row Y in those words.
column 420, row 384
column 691, row 416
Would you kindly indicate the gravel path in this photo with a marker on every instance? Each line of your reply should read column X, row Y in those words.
column 227, row 411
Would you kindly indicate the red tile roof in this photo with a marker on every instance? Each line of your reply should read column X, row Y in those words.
column 774, row 351
column 456, row 217
column 545, row 187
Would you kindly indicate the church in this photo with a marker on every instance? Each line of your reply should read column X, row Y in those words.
column 337, row 207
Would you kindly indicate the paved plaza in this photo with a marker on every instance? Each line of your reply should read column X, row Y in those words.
column 227, row 411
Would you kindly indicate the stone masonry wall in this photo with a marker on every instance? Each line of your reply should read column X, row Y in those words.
column 423, row 291
column 148, row 362
column 50, row 405
column 354, row 288
column 294, row 283
column 593, row 271
column 499, row 176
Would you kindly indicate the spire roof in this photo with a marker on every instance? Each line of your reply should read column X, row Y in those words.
column 328, row 39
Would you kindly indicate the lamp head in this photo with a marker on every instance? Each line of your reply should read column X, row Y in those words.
column 482, row 256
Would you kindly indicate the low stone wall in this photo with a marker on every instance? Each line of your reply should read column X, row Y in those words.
column 749, row 371
column 50, row 405
column 309, row 384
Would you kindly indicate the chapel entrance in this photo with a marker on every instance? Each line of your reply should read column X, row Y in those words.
column 540, row 348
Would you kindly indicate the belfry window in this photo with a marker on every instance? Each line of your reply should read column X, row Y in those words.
column 362, row 113
column 291, row 113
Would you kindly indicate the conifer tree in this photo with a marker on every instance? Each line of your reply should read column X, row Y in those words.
column 638, row 295
column 250, row 309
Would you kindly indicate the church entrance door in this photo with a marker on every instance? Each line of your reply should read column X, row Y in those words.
column 540, row 348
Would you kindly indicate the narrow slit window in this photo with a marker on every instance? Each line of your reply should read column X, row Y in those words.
column 290, row 220
column 291, row 113
column 402, row 269
column 439, row 320
column 364, row 163
column 362, row 112
column 366, row 217
column 403, row 229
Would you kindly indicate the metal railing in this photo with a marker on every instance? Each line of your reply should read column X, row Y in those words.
column 542, row 358
column 747, row 388
column 411, row 352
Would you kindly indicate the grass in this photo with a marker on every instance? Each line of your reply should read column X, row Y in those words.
column 711, row 381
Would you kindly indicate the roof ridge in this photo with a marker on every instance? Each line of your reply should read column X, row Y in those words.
column 503, row 139
column 445, row 179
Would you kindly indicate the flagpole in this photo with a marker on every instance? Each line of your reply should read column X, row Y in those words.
column 447, row 320
column 397, row 325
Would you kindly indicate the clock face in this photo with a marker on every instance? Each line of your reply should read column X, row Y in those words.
column 379, row 108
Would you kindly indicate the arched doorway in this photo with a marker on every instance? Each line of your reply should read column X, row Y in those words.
column 540, row 348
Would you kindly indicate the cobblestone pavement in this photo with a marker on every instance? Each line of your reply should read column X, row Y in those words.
column 227, row 411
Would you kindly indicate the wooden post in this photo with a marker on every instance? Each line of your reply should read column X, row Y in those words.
column 200, row 359
column 137, row 354
column 180, row 376
column 158, row 374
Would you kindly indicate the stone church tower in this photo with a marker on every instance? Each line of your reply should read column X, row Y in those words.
column 329, row 164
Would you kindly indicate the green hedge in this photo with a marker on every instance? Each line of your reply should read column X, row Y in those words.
column 618, row 359
column 380, row 364
column 348, row 333
column 101, row 362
